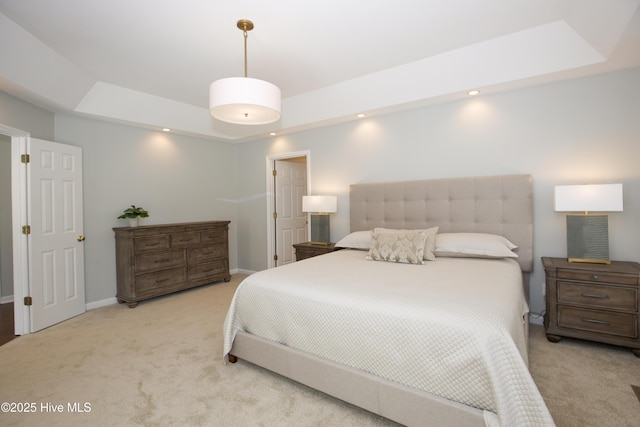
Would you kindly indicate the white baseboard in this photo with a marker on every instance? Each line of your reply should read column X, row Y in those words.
column 101, row 303
column 536, row 319
column 241, row 271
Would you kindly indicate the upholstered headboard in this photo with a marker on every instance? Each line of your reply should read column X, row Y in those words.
column 498, row 205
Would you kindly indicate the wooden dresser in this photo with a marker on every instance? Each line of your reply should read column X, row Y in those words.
column 596, row 302
column 155, row 260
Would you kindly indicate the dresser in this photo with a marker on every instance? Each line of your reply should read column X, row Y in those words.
column 308, row 249
column 155, row 260
column 597, row 302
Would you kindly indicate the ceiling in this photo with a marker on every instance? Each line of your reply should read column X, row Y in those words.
column 150, row 62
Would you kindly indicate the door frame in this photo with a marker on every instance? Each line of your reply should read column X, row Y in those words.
column 21, row 313
column 270, row 192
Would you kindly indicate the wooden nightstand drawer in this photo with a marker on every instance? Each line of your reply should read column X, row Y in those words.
column 598, row 276
column 608, row 297
column 611, row 323
column 307, row 250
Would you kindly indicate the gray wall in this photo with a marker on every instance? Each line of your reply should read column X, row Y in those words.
column 176, row 178
column 580, row 131
column 27, row 117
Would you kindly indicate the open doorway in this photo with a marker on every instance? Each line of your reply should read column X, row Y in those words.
column 287, row 182
column 7, row 325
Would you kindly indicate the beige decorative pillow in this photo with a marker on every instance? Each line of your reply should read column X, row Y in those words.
column 405, row 246
column 430, row 243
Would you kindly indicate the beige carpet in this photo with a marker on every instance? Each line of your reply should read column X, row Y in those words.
column 160, row 364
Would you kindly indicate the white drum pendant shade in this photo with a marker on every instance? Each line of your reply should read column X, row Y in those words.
column 243, row 100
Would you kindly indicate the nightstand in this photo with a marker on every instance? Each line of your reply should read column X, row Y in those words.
column 596, row 302
column 308, row 249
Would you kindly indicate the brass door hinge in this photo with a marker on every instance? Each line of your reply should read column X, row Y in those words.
column 275, row 172
column 26, row 229
column 275, row 257
column 275, row 215
column 25, row 158
column 28, row 301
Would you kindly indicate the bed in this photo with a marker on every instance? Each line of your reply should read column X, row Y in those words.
column 436, row 340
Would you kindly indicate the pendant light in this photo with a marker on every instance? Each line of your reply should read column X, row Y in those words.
column 243, row 100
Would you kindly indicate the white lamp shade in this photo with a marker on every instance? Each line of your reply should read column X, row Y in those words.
column 320, row 204
column 588, row 198
column 243, row 100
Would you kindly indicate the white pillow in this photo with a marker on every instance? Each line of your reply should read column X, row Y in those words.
column 430, row 244
column 474, row 245
column 403, row 246
column 356, row 240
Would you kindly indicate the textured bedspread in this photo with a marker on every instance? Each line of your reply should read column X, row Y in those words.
column 452, row 327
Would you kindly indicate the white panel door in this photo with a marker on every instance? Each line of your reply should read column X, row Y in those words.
column 291, row 222
column 56, row 248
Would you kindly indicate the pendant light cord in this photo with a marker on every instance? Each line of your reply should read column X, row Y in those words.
column 246, row 35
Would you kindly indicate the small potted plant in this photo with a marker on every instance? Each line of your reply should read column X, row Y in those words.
column 132, row 214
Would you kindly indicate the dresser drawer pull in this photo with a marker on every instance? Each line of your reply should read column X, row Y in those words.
column 152, row 244
column 599, row 322
column 207, row 270
column 595, row 296
column 161, row 260
column 162, row 280
column 184, row 240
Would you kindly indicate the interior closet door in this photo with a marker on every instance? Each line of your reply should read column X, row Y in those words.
column 56, row 239
column 291, row 222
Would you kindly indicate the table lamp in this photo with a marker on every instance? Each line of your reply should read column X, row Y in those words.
column 320, row 207
column 588, row 234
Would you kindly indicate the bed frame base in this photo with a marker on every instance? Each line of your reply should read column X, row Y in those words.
column 388, row 399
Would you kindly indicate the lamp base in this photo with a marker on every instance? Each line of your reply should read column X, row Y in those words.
column 320, row 233
column 588, row 239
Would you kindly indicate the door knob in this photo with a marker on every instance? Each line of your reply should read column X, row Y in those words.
column 80, row 238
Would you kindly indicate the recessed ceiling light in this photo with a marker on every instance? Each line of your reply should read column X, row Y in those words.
column 166, row 130
column 272, row 133
column 361, row 115
column 473, row 92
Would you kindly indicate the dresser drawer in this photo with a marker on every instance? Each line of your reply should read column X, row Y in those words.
column 620, row 324
column 608, row 297
column 157, row 261
column 597, row 276
column 184, row 239
column 210, row 269
column 206, row 253
column 209, row 237
column 150, row 244
column 148, row 284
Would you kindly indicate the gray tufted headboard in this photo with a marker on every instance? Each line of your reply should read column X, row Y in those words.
column 498, row 205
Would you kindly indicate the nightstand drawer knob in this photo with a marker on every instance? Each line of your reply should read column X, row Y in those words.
column 595, row 277
column 595, row 296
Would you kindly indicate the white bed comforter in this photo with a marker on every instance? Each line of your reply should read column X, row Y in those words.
column 452, row 327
